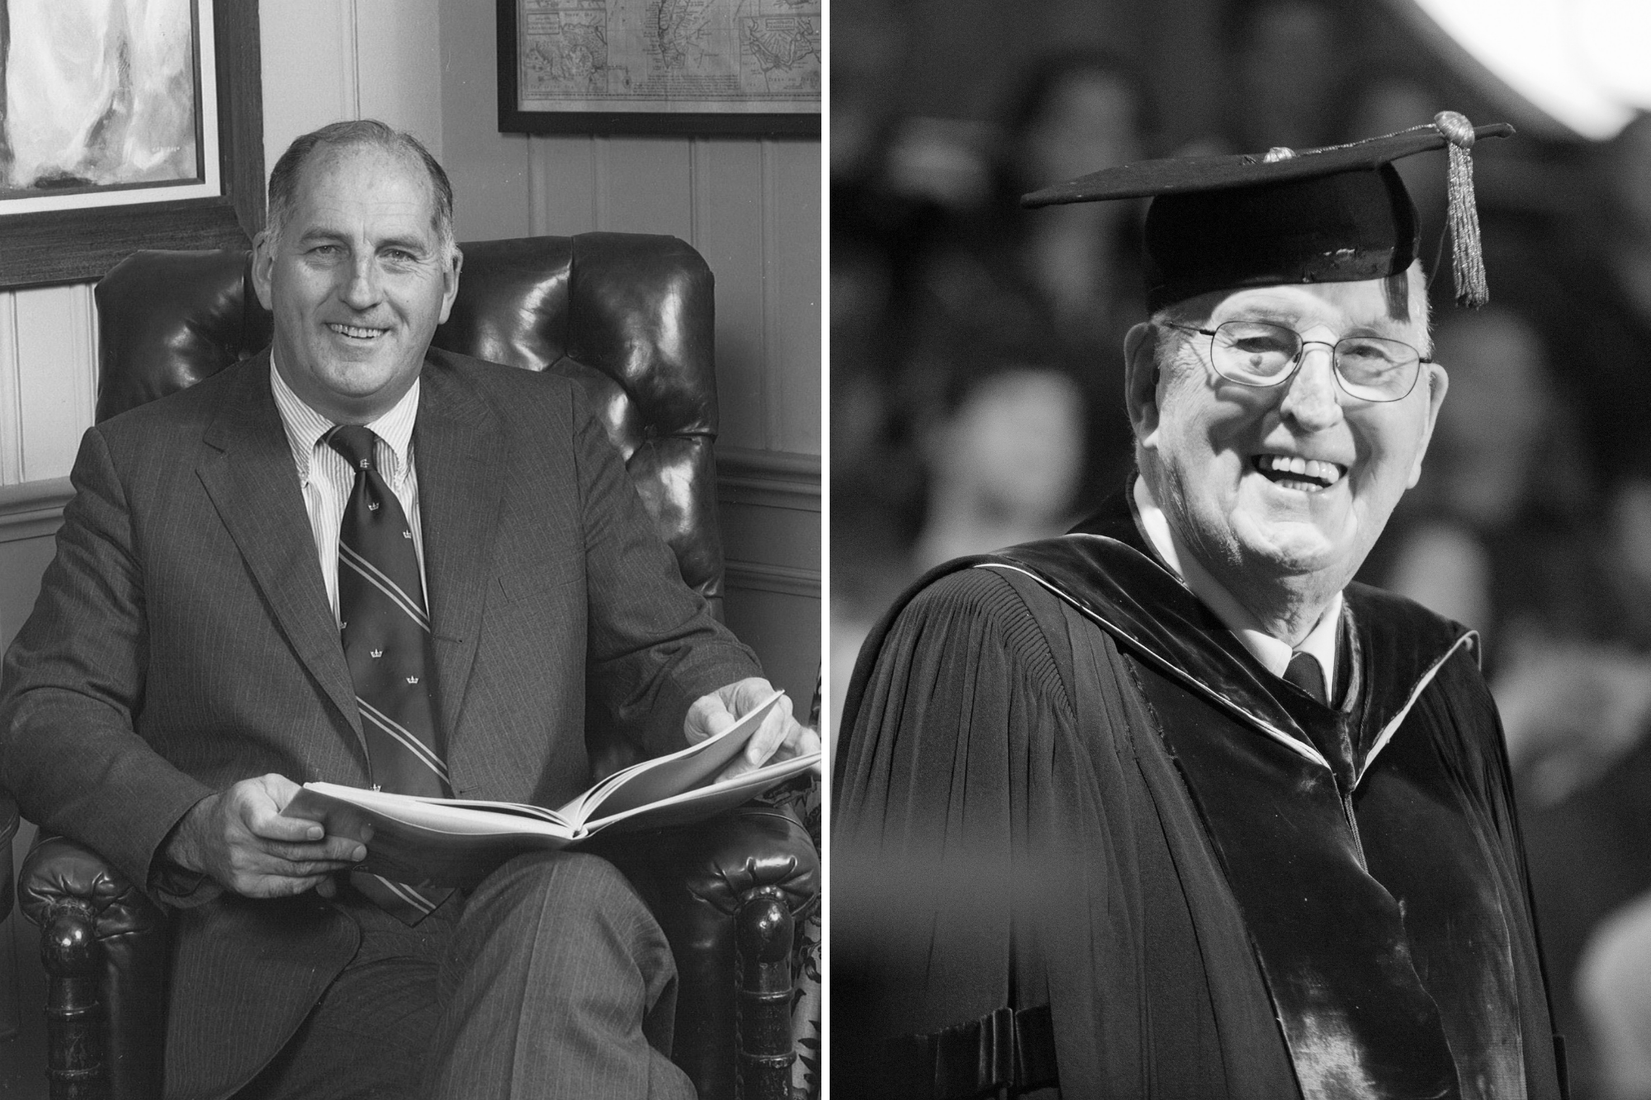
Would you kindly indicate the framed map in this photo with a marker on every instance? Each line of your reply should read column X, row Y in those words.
column 660, row 66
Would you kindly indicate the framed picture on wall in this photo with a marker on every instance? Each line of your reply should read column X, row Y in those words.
column 120, row 133
column 660, row 66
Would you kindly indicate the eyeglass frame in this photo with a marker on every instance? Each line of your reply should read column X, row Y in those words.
column 1301, row 357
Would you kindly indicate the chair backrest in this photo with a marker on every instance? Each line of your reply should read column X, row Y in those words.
column 627, row 316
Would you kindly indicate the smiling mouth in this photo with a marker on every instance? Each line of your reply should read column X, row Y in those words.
column 1310, row 475
column 356, row 332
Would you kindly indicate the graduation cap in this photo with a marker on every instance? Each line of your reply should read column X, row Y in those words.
column 1337, row 214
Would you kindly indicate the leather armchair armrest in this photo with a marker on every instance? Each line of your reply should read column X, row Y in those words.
column 727, row 892
column 103, row 943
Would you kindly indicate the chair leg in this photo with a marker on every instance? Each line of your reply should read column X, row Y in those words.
column 763, row 1014
column 74, row 1014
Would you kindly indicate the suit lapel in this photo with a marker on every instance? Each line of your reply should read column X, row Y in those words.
column 461, row 473
column 248, row 474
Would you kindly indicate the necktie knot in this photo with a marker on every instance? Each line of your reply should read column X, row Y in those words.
column 1305, row 672
column 356, row 443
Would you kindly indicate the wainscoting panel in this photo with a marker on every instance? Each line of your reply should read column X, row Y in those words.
column 48, row 352
column 770, row 511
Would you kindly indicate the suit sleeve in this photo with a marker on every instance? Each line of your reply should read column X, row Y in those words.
column 73, row 681
column 653, row 646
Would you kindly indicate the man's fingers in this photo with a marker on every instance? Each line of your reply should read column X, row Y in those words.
column 258, row 804
column 800, row 742
column 707, row 716
column 771, row 734
column 252, row 865
column 277, row 827
column 281, row 886
column 717, row 717
column 308, row 868
column 335, row 849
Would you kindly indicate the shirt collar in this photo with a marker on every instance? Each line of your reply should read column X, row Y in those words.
column 1273, row 653
column 305, row 427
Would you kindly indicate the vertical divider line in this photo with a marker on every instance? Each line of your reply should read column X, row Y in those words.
column 11, row 399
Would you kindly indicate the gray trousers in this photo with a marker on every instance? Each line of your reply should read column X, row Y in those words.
column 552, row 979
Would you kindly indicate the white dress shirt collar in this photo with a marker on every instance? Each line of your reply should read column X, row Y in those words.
column 305, row 427
column 1273, row 653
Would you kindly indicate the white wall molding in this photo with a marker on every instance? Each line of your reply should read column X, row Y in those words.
column 762, row 577
column 768, row 479
column 33, row 509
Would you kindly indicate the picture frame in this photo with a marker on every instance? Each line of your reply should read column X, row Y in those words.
column 791, row 114
column 68, row 246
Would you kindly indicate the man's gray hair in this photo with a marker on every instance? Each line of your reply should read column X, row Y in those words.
column 354, row 133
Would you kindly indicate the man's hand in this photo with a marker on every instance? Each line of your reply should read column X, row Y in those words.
column 240, row 839
column 779, row 736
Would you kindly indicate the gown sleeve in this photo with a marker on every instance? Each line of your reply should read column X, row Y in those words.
column 947, row 735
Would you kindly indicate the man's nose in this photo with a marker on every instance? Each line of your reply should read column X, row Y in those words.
column 362, row 289
column 1310, row 397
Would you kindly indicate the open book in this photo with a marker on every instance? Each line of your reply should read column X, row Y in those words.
column 457, row 842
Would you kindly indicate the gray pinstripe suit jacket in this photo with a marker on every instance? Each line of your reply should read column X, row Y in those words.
column 182, row 641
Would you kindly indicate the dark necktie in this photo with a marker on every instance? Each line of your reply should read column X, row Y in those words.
column 386, row 634
column 1305, row 673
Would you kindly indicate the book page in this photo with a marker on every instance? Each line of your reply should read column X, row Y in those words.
column 706, row 800
column 438, row 815
column 664, row 776
column 413, row 842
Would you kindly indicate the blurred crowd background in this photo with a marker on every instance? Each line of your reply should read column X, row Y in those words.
column 976, row 385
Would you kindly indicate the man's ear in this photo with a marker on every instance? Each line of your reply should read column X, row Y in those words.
column 1437, row 383
column 450, row 280
column 1141, row 380
column 263, row 267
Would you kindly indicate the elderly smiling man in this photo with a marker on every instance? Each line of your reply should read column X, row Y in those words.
column 1168, row 806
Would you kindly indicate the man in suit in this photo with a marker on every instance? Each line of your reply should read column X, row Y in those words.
column 206, row 640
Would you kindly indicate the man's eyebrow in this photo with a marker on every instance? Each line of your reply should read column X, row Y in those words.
column 1289, row 314
column 1266, row 310
column 407, row 244
column 321, row 233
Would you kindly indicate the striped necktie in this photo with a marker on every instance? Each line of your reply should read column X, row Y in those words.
column 386, row 635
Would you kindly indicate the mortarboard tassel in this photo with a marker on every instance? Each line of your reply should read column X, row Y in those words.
column 1467, row 259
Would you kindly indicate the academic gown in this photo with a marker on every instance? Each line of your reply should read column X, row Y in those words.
column 1062, row 781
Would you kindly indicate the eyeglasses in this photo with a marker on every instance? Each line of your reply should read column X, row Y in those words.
column 1260, row 353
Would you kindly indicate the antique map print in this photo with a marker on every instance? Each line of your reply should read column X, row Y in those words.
column 669, row 55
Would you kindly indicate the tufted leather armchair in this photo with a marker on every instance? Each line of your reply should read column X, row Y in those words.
column 629, row 318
